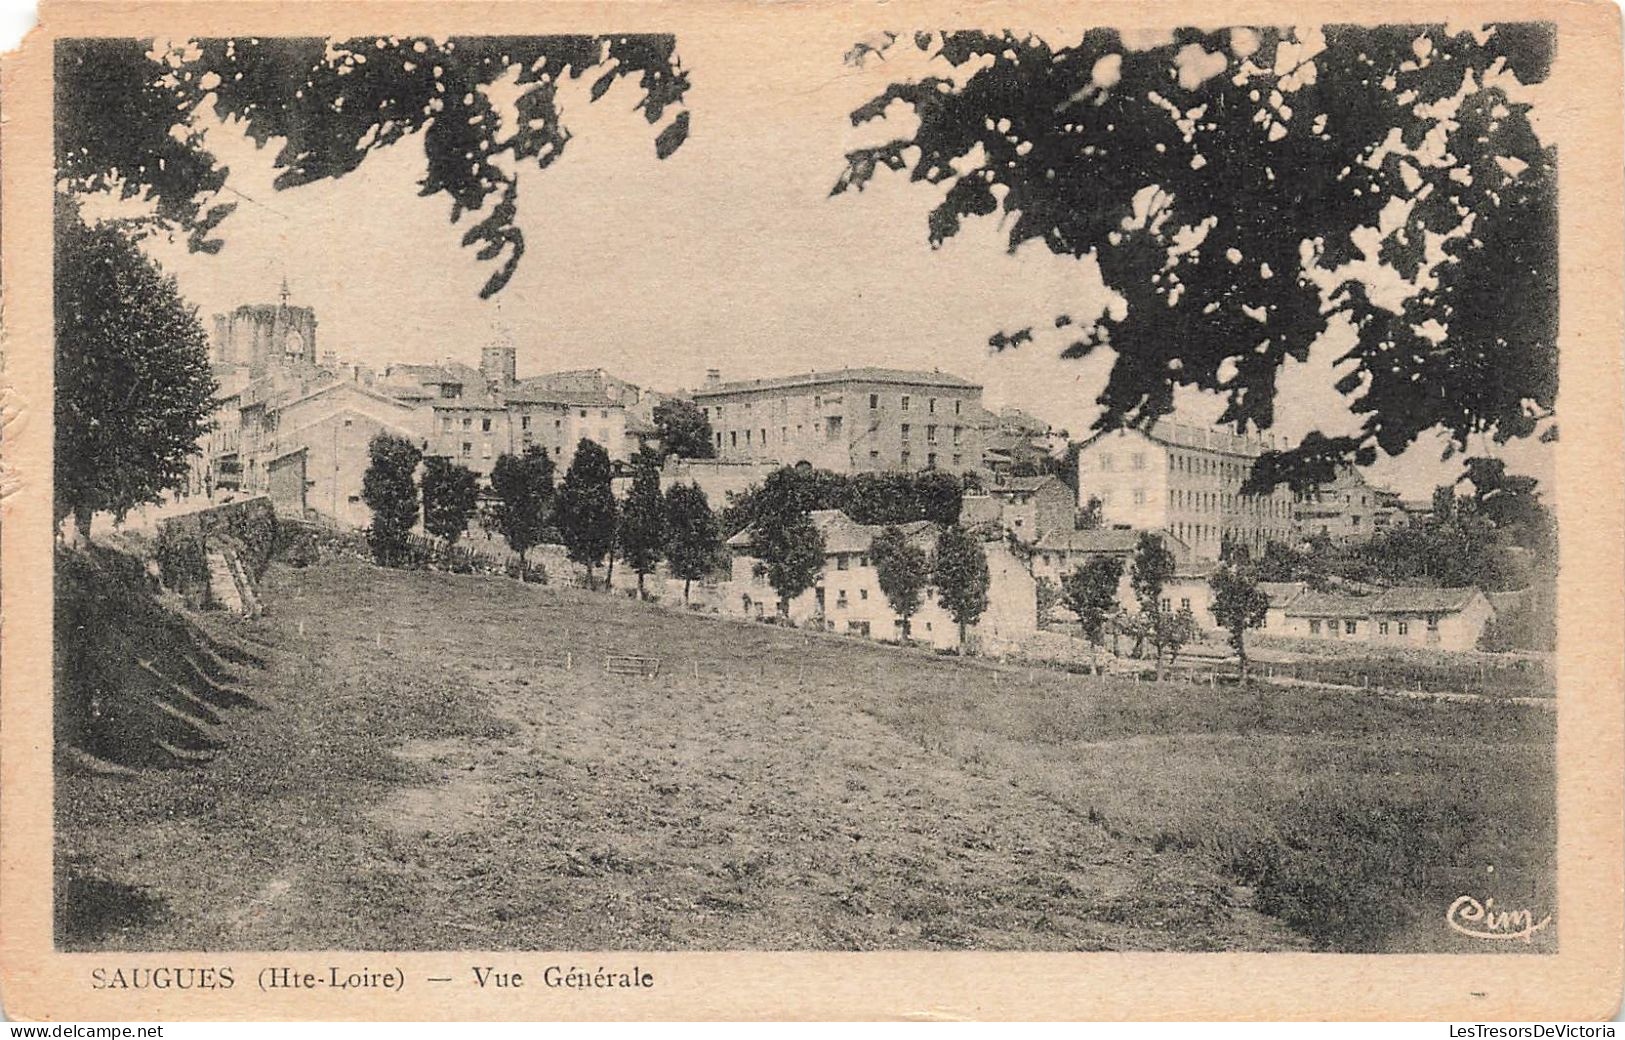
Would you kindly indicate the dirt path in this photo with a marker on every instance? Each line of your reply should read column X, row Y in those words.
column 420, row 783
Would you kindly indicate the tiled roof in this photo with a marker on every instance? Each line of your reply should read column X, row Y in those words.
column 1100, row 540
column 1282, row 593
column 897, row 376
column 1021, row 485
column 1416, row 600
column 842, row 534
column 1327, row 604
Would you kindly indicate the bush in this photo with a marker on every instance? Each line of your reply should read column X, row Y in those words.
column 183, row 561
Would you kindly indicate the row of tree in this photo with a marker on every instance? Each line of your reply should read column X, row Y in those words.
column 1091, row 592
column 677, row 526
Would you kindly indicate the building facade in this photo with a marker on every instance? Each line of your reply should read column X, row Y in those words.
column 852, row 420
column 1185, row 480
column 1448, row 619
column 846, row 597
column 1347, row 510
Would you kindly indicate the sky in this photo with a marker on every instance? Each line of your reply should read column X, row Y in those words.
column 730, row 254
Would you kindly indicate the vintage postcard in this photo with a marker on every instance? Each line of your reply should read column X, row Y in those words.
column 740, row 510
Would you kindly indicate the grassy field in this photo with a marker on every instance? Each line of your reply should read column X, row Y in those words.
column 429, row 776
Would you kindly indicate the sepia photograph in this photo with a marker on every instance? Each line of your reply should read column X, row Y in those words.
column 1067, row 488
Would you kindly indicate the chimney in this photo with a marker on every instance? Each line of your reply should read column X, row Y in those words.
column 713, row 377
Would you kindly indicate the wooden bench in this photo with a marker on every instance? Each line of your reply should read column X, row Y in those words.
column 631, row 664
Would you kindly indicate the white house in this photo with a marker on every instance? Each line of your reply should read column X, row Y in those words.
column 1450, row 619
column 846, row 596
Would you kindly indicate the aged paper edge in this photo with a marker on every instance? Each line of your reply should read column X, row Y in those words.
column 1582, row 981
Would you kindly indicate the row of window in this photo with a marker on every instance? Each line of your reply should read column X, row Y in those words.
column 1352, row 628
column 904, row 403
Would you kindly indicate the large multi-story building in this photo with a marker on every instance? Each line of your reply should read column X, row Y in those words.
column 1187, row 481
column 1347, row 509
column 851, row 420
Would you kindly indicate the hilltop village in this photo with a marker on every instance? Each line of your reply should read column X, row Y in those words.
column 295, row 421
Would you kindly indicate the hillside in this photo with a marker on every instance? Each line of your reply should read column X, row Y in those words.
column 432, row 776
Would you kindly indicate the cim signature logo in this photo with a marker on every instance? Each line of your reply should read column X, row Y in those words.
column 1483, row 921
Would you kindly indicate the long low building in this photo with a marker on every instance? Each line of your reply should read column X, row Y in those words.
column 1450, row 619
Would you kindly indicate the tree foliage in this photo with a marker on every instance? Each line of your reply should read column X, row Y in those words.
column 1235, row 187
column 451, row 494
column 523, row 485
column 584, row 508
column 793, row 554
column 125, row 116
column 683, row 429
column 959, row 572
column 1238, row 602
column 867, row 498
column 389, row 488
column 693, row 539
column 1149, row 570
column 1090, row 592
column 133, row 387
column 902, row 570
column 642, row 533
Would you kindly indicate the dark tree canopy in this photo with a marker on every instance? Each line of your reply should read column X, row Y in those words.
column 693, row 540
column 124, row 116
column 642, row 532
column 389, row 489
column 959, row 572
column 133, row 387
column 1238, row 602
column 901, row 570
column 584, row 508
column 1090, row 592
column 683, row 429
column 1218, row 182
column 451, row 494
column 523, row 485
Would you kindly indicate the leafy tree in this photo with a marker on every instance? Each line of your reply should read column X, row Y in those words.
column 693, row 539
column 683, row 429
column 389, row 489
column 1169, row 631
column 1090, row 592
column 1444, row 505
column 1047, row 596
column 1090, row 517
column 584, row 508
column 451, row 494
column 902, row 570
column 643, row 518
column 1223, row 184
column 133, row 387
column 959, row 572
column 1150, row 570
column 792, row 553
column 1280, row 562
column 125, row 110
column 1238, row 602
column 523, row 485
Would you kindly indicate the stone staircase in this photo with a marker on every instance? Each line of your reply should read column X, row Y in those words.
column 223, row 588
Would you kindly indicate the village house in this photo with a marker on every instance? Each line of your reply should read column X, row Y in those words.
column 1449, row 619
column 1281, row 595
column 1027, row 507
column 1347, row 509
column 846, row 597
